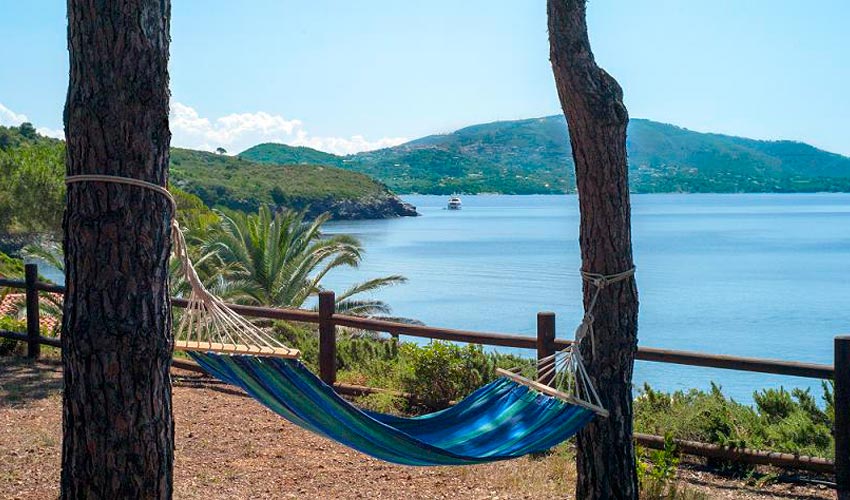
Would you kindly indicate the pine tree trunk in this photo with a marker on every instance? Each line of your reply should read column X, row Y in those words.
column 118, row 430
column 593, row 104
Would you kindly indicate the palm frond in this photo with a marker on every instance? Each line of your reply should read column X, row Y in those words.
column 371, row 286
column 279, row 259
column 363, row 307
column 50, row 253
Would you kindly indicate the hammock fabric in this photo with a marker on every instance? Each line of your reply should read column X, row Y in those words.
column 499, row 421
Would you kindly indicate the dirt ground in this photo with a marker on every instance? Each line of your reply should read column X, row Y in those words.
column 228, row 446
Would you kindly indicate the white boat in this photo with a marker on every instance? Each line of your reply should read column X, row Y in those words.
column 454, row 203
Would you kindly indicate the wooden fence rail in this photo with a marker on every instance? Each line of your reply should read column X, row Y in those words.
column 692, row 358
column 545, row 343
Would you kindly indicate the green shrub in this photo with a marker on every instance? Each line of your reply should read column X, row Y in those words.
column 829, row 400
column 441, row 372
column 789, row 422
column 9, row 346
column 371, row 361
column 11, row 267
column 774, row 404
column 792, row 422
column 301, row 337
column 695, row 415
column 358, row 353
column 657, row 470
column 662, row 464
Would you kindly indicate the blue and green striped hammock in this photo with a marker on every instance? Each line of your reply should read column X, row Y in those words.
column 501, row 420
column 507, row 418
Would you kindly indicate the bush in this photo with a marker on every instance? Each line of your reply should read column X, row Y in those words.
column 441, row 372
column 657, row 474
column 789, row 422
column 793, row 423
column 695, row 415
column 9, row 346
column 660, row 465
column 11, row 267
column 302, row 337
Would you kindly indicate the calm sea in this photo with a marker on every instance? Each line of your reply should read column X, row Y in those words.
column 751, row 275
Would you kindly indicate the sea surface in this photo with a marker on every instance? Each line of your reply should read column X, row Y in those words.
column 750, row 275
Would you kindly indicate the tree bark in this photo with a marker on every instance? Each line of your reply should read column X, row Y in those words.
column 118, row 430
column 593, row 104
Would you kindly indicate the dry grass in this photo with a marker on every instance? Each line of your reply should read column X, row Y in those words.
column 229, row 447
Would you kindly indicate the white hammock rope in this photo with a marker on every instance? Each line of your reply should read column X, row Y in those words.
column 207, row 323
column 565, row 374
column 564, row 370
column 599, row 282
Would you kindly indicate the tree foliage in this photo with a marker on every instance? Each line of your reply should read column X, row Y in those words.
column 32, row 194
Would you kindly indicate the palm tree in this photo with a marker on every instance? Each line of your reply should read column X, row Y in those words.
column 279, row 260
column 51, row 304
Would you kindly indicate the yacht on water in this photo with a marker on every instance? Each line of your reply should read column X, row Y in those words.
column 454, row 203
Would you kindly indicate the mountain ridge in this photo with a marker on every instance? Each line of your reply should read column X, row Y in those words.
column 532, row 156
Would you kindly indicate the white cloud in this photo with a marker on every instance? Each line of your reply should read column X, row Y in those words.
column 56, row 133
column 340, row 145
column 9, row 118
column 236, row 132
column 239, row 131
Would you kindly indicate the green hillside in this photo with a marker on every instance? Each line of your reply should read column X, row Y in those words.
column 533, row 156
column 291, row 155
column 239, row 184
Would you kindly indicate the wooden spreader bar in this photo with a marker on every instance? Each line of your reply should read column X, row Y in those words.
column 273, row 352
column 555, row 393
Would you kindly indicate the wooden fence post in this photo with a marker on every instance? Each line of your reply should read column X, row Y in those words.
column 33, row 324
column 545, row 346
column 327, row 338
column 842, row 416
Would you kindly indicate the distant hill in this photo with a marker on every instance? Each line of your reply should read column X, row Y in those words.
column 533, row 156
column 291, row 155
column 239, row 184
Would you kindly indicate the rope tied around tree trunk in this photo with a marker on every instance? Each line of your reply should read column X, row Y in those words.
column 207, row 323
column 116, row 179
column 564, row 370
column 600, row 282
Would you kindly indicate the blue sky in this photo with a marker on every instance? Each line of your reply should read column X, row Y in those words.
column 346, row 76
